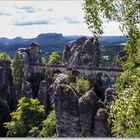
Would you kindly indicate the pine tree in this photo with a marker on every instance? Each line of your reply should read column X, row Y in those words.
column 17, row 71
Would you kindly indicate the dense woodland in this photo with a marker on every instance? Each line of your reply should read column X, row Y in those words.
column 29, row 117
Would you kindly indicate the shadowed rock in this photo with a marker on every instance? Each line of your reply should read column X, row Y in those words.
column 66, row 107
column 26, row 90
column 88, row 105
column 7, row 91
column 110, row 94
column 43, row 95
column 101, row 126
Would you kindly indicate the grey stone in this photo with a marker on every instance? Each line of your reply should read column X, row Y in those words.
column 110, row 94
column 88, row 105
column 26, row 90
column 66, row 107
column 101, row 125
column 82, row 52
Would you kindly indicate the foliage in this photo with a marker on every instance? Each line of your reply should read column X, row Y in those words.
column 54, row 58
column 49, row 126
column 34, row 132
column 4, row 116
column 125, row 12
column 125, row 112
column 82, row 85
column 28, row 114
column 45, row 60
column 17, row 72
column 4, row 56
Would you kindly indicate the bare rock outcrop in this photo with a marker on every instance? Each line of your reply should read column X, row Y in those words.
column 66, row 107
column 30, row 56
column 88, row 105
column 82, row 52
column 43, row 95
column 101, row 125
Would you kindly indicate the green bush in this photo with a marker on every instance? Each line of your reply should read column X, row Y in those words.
column 28, row 114
column 82, row 85
column 54, row 58
column 4, row 56
column 125, row 111
column 49, row 126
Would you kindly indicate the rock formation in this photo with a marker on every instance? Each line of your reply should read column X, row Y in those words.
column 6, row 84
column 101, row 125
column 66, row 107
column 82, row 52
column 110, row 94
column 43, row 95
column 30, row 56
column 26, row 90
column 88, row 105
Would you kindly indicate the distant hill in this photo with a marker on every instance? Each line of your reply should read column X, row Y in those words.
column 50, row 42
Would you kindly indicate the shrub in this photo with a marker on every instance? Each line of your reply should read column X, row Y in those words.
column 28, row 114
column 82, row 85
column 4, row 56
column 49, row 126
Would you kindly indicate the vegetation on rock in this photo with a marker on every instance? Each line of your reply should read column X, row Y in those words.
column 82, row 85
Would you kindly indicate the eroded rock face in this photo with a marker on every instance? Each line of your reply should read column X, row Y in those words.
column 101, row 125
column 60, row 79
column 110, row 94
column 66, row 107
column 43, row 95
column 7, row 91
column 30, row 56
column 26, row 90
column 88, row 105
column 82, row 52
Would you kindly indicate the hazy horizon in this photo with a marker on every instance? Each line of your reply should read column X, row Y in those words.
column 28, row 19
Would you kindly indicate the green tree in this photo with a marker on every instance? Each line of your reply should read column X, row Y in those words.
column 54, row 58
column 17, row 72
column 49, row 126
column 4, row 56
column 82, row 85
column 29, row 114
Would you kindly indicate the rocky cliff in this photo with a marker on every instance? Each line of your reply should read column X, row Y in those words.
column 82, row 52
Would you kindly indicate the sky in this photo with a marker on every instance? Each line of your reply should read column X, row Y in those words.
column 30, row 18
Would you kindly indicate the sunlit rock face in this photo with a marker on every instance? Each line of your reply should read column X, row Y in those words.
column 87, row 106
column 66, row 107
column 30, row 56
column 82, row 52
column 7, row 91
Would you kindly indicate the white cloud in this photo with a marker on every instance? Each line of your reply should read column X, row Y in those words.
column 63, row 17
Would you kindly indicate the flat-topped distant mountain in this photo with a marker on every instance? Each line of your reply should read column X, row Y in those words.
column 50, row 42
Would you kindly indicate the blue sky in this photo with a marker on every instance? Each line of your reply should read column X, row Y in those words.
column 30, row 18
